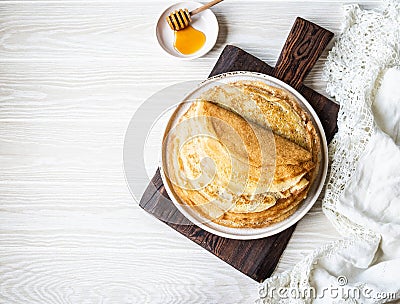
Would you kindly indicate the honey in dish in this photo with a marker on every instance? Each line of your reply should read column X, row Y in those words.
column 189, row 40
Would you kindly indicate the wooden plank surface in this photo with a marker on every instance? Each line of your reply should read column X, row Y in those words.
column 72, row 73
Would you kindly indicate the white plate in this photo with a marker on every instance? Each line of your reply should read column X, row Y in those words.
column 204, row 21
column 251, row 233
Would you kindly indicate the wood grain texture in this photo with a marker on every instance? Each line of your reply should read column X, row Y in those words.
column 302, row 49
column 72, row 73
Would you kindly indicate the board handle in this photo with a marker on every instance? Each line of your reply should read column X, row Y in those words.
column 303, row 47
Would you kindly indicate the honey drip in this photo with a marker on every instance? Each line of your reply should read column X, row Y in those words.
column 189, row 40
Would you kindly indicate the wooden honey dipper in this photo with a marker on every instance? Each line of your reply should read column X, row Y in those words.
column 180, row 19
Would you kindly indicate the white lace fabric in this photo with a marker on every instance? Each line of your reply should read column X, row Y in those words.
column 362, row 193
column 367, row 47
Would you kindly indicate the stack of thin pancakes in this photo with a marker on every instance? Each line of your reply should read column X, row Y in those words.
column 243, row 155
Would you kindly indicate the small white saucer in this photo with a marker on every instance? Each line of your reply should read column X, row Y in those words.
column 204, row 21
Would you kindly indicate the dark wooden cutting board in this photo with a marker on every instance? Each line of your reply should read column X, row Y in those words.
column 255, row 258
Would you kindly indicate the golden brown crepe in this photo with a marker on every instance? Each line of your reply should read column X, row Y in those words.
column 243, row 165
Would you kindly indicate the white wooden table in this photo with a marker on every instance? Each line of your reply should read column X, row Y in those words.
column 72, row 74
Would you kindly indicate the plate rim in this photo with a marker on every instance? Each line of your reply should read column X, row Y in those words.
column 324, row 154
